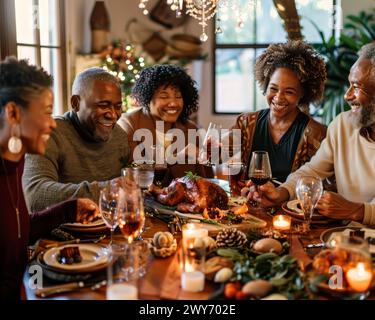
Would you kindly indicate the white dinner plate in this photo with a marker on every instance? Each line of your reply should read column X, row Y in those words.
column 328, row 235
column 93, row 224
column 294, row 206
column 294, row 209
column 92, row 255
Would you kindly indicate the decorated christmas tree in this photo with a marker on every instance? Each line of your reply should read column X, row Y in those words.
column 121, row 60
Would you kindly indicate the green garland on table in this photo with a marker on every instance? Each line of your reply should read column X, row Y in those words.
column 282, row 271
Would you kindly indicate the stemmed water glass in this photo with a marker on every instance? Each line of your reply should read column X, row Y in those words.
column 108, row 205
column 308, row 190
column 259, row 170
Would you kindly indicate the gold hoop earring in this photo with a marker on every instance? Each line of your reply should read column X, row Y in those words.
column 14, row 142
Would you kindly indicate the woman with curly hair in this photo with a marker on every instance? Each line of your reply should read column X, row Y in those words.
column 167, row 95
column 292, row 76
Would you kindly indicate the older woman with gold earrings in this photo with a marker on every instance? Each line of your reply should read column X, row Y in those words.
column 26, row 104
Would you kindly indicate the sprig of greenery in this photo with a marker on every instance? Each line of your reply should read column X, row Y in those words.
column 191, row 175
column 209, row 221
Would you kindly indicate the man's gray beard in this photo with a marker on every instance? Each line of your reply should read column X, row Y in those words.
column 366, row 117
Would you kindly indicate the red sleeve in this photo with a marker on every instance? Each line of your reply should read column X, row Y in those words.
column 42, row 222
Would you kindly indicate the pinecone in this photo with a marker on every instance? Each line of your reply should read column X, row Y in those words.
column 231, row 237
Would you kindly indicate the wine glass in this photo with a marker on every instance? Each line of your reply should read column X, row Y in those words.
column 259, row 170
column 159, row 164
column 146, row 173
column 131, row 214
column 209, row 153
column 308, row 190
column 108, row 205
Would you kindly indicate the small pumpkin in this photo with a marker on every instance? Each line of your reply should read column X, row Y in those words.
column 163, row 239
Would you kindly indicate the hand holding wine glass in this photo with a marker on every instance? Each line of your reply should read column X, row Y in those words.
column 209, row 154
column 260, row 169
column 309, row 190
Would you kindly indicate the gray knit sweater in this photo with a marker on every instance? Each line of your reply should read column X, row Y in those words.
column 72, row 167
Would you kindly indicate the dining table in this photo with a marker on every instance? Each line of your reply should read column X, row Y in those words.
column 162, row 280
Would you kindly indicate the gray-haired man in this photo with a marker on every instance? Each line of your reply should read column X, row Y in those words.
column 86, row 149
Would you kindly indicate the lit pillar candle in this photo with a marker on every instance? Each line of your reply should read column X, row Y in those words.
column 122, row 291
column 359, row 278
column 193, row 249
column 282, row 222
column 192, row 281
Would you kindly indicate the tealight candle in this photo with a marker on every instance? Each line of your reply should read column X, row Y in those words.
column 359, row 278
column 192, row 281
column 282, row 222
column 122, row 291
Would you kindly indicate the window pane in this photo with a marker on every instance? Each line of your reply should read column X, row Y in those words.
column 320, row 12
column 28, row 53
column 269, row 23
column 51, row 62
column 234, row 80
column 49, row 22
column 228, row 20
column 25, row 21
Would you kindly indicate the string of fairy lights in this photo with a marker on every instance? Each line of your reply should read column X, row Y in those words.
column 120, row 60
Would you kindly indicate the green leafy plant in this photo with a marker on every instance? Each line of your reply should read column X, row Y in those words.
column 281, row 270
column 340, row 54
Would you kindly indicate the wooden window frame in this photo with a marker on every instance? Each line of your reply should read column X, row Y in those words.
column 9, row 44
column 255, row 46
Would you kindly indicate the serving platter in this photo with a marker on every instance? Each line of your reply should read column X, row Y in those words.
column 213, row 227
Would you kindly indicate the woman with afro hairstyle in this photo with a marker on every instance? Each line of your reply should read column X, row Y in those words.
column 291, row 76
column 164, row 93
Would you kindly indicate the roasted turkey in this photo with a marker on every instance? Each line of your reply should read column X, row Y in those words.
column 192, row 195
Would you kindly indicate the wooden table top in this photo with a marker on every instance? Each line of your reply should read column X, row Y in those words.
column 162, row 280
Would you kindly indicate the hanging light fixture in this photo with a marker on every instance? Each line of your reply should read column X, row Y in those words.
column 204, row 10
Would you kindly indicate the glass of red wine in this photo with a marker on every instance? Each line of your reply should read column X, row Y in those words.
column 259, row 170
column 209, row 153
column 160, row 165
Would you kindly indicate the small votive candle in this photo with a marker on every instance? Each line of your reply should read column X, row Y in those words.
column 282, row 222
column 193, row 231
column 122, row 291
column 192, row 281
column 359, row 278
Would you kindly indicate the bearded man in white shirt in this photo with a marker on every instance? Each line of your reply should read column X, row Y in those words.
column 348, row 152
